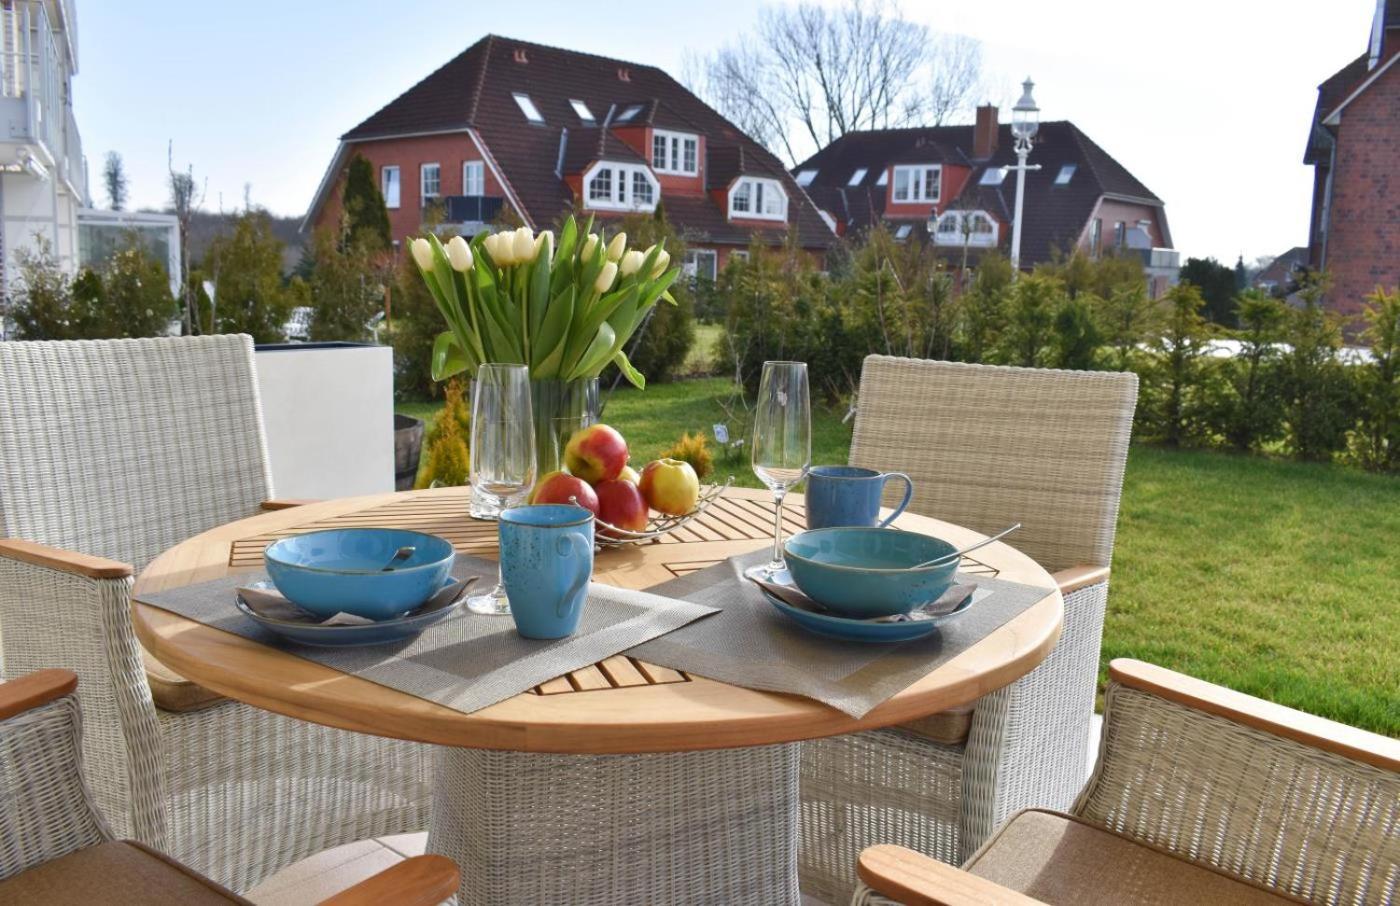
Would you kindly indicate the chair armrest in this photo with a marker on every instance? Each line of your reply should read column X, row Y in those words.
column 66, row 561
column 1308, row 729
column 34, row 689
column 284, row 504
column 916, row 880
column 419, row 881
column 1077, row 577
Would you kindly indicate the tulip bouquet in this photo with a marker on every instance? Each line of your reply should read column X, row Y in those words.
column 566, row 310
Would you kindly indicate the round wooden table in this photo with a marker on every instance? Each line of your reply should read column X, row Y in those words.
column 618, row 709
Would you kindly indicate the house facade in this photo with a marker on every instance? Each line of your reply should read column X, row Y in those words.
column 538, row 131
column 953, row 186
column 1354, row 149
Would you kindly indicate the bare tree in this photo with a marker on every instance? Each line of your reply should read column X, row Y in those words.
column 114, row 180
column 185, row 200
column 812, row 73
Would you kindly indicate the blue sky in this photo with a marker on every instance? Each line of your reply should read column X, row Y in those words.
column 1206, row 101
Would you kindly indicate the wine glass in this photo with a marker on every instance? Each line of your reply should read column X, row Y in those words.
column 502, row 451
column 782, row 443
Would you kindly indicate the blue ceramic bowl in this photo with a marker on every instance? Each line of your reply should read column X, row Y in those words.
column 342, row 570
column 866, row 572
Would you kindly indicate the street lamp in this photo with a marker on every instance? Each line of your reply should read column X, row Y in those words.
column 1025, row 122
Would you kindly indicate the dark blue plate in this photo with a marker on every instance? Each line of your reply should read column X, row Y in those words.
column 848, row 630
column 381, row 633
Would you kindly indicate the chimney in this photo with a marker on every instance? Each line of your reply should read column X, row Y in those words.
column 985, row 133
column 624, row 74
column 520, row 56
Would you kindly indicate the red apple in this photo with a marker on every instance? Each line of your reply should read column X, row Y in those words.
column 629, row 474
column 558, row 487
column 670, row 486
column 597, row 453
column 620, row 504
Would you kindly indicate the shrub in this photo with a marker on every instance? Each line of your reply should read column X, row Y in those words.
column 659, row 349
column 128, row 296
column 1245, row 407
column 346, row 287
column 694, row 449
column 1318, row 394
column 1171, row 407
column 45, row 307
column 412, row 324
column 981, row 310
column 246, row 267
column 135, row 293
column 1077, row 337
column 1030, row 308
column 1376, row 443
column 448, row 459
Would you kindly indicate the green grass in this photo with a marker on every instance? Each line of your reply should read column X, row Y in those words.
column 702, row 351
column 1275, row 578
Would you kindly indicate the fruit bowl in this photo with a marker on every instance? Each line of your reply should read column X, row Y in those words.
column 659, row 524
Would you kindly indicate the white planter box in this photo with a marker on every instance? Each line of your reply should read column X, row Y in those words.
column 328, row 409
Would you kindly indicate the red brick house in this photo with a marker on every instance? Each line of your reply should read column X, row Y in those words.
column 1354, row 149
column 539, row 130
column 951, row 185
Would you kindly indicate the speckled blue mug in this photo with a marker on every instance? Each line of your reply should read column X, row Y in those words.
column 546, row 562
column 840, row 496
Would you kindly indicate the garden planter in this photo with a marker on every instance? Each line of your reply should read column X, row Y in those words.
column 408, row 449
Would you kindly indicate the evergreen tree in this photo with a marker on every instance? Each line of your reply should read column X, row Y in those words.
column 1216, row 284
column 1241, row 275
column 1077, row 333
column 1318, row 393
column 1030, row 320
column 1175, row 378
column 1246, row 408
column 366, row 217
column 1378, row 437
column 246, row 268
column 114, row 181
column 346, row 288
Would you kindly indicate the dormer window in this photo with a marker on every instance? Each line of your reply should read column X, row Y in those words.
column 674, row 152
column 972, row 228
column 805, row 177
column 583, row 112
column 613, row 186
column 757, row 198
column 918, row 183
column 527, row 107
column 857, row 176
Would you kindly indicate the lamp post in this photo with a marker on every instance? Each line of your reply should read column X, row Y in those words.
column 1025, row 122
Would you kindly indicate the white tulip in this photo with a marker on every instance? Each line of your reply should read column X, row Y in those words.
column 589, row 245
column 523, row 245
column 606, row 277
column 617, row 246
column 459, row 254
column 422, row 253
column 544, row 244
column 663, row 260
column 631, row 263
column 498, row 246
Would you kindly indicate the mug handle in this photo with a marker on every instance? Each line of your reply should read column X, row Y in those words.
column 908, row 494
column 573, row 542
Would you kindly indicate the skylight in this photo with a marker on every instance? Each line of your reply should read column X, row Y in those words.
column 805, row 177
column 992, row 176
column 582, row 110
column 903, row 231
column 856, row 177
column 884, row 178
column 629, row 113
column 527, row 107
column 1063, row 177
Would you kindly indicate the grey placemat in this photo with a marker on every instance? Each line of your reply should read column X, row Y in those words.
column 750, row 644
column 466, row 661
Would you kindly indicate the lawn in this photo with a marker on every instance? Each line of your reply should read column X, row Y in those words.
column 1278, row 579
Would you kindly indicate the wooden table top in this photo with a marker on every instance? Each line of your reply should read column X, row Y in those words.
column 619, row 705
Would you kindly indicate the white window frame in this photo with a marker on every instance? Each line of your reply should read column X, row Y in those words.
column 857, row 176
column 673, row 148
column 527, row 107
column 759, row 188
column 423, row 192
column 582, row 110
column 692, row 267
column 957, row 223
column 621, row 187
column 917, row 181
column 391, row 200
column 479, row 167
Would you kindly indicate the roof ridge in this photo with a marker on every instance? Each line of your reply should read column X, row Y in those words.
column 1079, row 138
column 576, row 53
column 490, row 41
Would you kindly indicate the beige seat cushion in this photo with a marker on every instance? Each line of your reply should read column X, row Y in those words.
column 947, row 727
column 172, row 692
column 115, row 874
column 1059, row 859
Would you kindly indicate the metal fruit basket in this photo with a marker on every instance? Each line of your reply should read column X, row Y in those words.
column 608, row 535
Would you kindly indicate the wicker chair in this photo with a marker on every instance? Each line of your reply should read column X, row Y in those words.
column 986, row 447
column 119, row 449
column 1200, row 795
column 55, row 846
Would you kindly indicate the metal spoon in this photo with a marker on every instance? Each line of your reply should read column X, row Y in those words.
column 971, row 547
column 400, row 555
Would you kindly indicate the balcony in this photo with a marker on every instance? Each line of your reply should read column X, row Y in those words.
column 469, row 210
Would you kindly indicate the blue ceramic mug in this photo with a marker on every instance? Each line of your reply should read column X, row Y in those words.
column 546, row 562
column 850, row 496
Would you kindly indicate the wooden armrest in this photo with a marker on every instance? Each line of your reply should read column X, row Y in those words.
column 419, row 881
column 60, row 559
column 1077, row 577
column 1308, row 729
column 284, row 504
column 916, row 880
column 35, row 689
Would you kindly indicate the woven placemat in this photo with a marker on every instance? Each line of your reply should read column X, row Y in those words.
column 466, row 661
column 750, row 644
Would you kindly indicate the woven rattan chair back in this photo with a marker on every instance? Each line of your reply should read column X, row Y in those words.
column 988, row 446
column 122, row 448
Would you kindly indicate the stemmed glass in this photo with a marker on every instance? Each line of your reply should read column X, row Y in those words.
column 782, row 443
column 502, row 451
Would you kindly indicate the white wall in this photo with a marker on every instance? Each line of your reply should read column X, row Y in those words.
column 329, row 416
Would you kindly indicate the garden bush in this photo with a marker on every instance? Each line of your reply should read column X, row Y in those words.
column 1376, row 443
column 250, row 295
column 1244, row 405
column 1318, row 392
column 127, row 296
